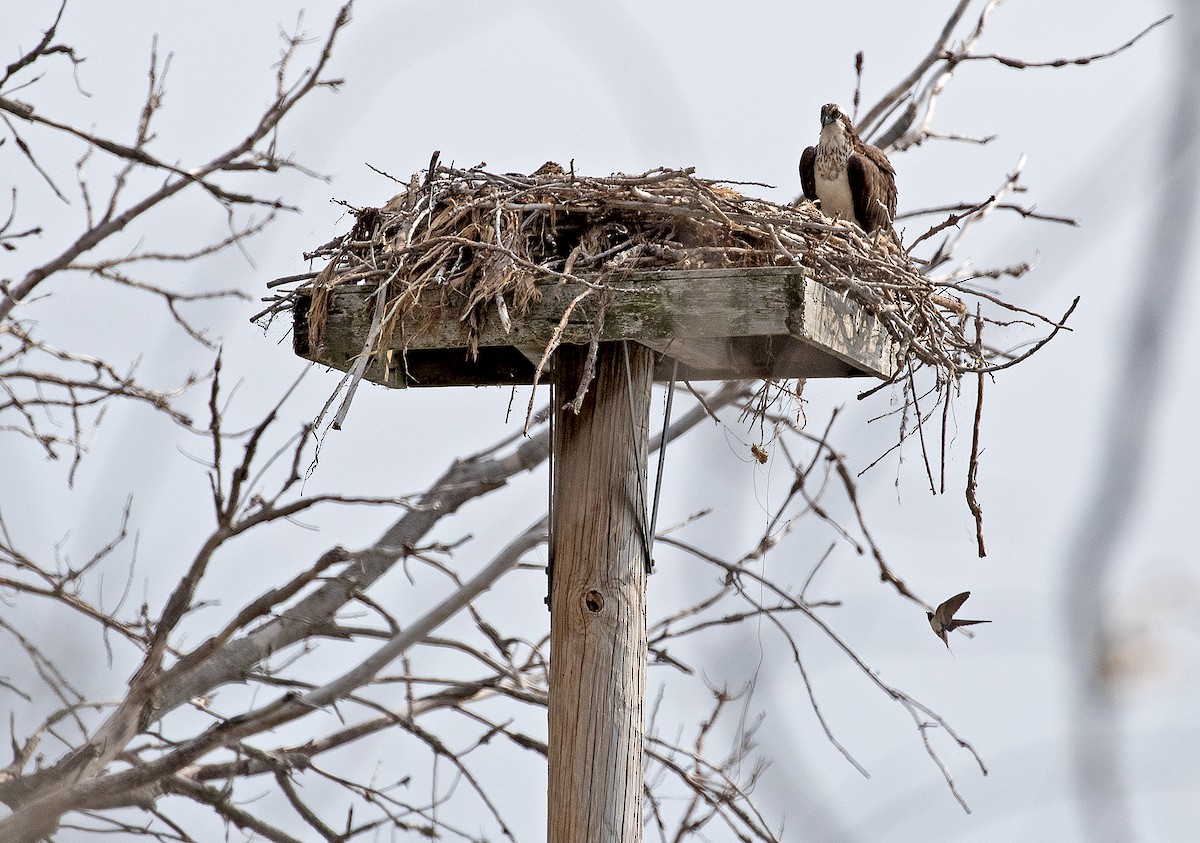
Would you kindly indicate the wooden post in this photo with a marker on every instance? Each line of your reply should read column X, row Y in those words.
column 598, row 598
column 710, row 324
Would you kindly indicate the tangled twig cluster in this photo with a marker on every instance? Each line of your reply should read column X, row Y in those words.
column 469, row 244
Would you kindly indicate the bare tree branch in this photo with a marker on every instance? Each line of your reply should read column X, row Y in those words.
column 219, row 703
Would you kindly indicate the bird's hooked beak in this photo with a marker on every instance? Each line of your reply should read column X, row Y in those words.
column 828, row 117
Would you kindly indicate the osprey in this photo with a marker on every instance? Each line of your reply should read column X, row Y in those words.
column 853, row 180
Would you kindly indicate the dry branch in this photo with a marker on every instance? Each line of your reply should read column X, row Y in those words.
column 74, row 383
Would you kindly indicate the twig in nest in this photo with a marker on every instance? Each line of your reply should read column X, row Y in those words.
column 550, row 347
column 973, row 468
column 589, row 372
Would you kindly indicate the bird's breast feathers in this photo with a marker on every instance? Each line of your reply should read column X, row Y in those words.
column 834, row 193
column 830, row 176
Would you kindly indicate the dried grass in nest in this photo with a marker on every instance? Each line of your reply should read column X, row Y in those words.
column 458, row 240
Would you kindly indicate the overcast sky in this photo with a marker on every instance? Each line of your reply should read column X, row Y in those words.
column 733, row 90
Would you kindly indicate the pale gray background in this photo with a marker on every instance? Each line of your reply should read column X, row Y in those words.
column 733, row 90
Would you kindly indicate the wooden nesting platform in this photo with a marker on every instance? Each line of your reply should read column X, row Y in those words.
column 719, row 324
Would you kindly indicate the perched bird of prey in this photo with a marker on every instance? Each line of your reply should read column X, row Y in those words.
column 942, row 619
column 852, row 179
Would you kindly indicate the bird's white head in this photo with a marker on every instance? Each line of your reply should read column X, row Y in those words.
column 833, row 124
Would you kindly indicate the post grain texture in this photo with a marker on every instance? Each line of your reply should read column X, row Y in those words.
column 598, row 599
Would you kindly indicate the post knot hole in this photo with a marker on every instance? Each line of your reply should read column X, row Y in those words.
column 593, row 600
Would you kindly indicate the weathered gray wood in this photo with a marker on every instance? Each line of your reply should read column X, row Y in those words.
column 718, row 323
column 698, row 353
column 598, row 600
column 833, row 323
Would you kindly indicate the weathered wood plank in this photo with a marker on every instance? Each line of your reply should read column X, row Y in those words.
column 654, row 306
column 835, row 324
column 718, row 323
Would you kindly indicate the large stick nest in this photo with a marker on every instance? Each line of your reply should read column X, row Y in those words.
column 463, row 240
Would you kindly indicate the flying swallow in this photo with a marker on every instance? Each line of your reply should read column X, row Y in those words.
column 942, row 619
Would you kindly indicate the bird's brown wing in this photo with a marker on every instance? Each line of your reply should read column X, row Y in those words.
column 808, row 177
column 880, row 160
column 947, row 609
column 873, row 187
